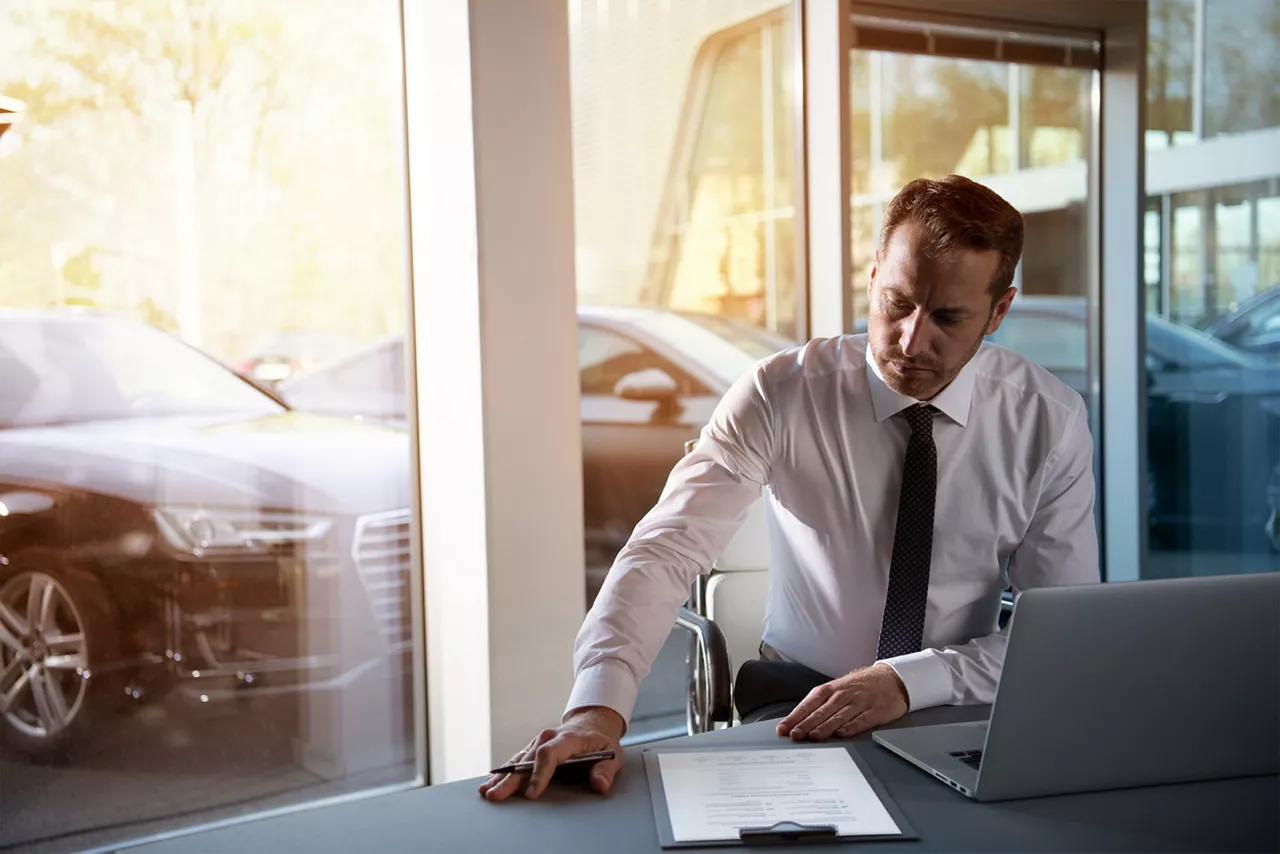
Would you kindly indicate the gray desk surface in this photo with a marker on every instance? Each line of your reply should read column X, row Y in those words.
column 1228, row 815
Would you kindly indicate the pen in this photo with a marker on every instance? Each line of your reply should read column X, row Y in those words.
column 521, row 767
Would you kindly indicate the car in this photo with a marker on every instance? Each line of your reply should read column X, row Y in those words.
column 1254, row 326
column 284, row 354
column 1213, row 423
column 650, row 380
column 165, row 523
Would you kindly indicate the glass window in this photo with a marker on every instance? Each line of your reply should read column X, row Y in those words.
column 723, row 353
column 84, row 370
column 734, row 249
column 1054, row 116
column 1189, row 296
column 1236, row 272
column 685, row 192
column 1213, row 396
column 368, row 386
column 1266, row 320
column 205, row 605
column 605, row 358
column 1170, row 72
column 1056, row 343
column 944, row 115
column 1241, row 75
column 1268, row 219
column 927, row 116
column 1152, row 256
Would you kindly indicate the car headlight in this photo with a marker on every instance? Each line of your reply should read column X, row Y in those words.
column 201, row 531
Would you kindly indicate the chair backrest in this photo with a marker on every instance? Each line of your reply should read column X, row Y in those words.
column 749, row 548
column 737, row 590
column 735, row 601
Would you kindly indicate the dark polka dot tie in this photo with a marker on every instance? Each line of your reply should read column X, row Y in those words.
column 902, row 627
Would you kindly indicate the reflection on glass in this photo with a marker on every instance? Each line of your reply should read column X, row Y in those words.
column 944, row 115
column 1188, row 296
column 927, row 116
column 1152, row 249
column 202, row 591
column 1170, row 72
column 1241, row 75
column 1213, row 422
column 1054, row 104
column 733, row 248
column 685, row 193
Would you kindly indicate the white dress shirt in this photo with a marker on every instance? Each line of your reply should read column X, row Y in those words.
column 815, row 427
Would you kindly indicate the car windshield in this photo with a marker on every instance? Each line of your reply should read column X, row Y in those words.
column 721, row 346
column 1190, row 348
column 750, row 339
column 60, row 371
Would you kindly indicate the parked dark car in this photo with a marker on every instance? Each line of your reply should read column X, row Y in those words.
column 1254, row 326
column 650, row 380
column 164, row 522
column 1213, row 423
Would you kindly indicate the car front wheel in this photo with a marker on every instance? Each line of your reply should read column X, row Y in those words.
column 56, row 626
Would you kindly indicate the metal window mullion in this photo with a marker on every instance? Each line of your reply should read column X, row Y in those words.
column 1166, row 255
column 1116, row 205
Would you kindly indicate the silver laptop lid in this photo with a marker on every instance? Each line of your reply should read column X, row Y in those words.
column 1137, row 683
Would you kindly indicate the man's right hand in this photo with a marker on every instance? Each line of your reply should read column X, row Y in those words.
column 584, row 731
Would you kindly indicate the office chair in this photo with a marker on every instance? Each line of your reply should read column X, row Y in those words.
column 725, row 619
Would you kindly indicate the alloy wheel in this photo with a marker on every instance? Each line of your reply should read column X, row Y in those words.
column 44, row 670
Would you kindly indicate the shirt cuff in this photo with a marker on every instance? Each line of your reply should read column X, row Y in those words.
column 607, row 683
column 926, row 677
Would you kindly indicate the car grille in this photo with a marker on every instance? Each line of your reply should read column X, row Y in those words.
column 383, row 554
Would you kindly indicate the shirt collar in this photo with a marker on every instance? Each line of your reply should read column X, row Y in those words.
column 953, row 401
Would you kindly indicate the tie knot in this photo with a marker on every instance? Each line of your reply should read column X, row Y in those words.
column 920, row 417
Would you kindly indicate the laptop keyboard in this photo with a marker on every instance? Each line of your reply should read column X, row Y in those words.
column 972, row 758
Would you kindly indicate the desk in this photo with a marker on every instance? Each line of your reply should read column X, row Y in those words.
column 1225, row 815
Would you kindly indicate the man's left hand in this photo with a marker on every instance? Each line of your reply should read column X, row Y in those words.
column 844, row 707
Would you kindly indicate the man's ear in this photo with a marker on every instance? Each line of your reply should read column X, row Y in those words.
column 871, row 280
column 999, row 310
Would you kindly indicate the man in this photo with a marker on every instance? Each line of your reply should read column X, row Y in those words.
column 910, row 474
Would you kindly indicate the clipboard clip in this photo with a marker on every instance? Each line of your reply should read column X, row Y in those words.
column 786, row 831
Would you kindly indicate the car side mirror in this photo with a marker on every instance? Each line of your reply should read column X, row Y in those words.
column 652, row 385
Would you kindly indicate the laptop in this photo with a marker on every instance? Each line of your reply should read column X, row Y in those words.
column 1122, row 684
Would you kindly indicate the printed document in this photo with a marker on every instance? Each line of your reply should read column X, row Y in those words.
column 711, row 795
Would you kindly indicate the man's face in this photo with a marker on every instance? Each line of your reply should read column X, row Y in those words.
column 928, row 315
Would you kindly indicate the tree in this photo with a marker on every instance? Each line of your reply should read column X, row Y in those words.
column 294, row 187
column 1170, row 65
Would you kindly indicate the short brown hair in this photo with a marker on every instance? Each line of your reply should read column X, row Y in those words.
column 957, row 213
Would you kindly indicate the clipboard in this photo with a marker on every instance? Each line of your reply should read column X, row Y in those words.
column 783, row 833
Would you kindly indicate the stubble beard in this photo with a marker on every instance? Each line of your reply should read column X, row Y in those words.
column 926, row 385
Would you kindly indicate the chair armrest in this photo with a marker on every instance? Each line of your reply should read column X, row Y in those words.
column 711, row 646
